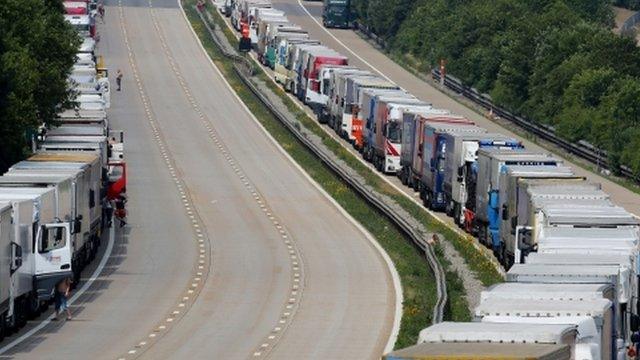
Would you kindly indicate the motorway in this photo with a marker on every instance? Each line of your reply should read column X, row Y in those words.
column 362, row 54
column 231, row 251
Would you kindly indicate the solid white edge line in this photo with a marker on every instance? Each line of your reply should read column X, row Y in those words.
column 341, row 43
column 76, row 295
column 393, row 336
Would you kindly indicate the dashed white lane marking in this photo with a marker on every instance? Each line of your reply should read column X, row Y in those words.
column 269, row 341
column 182, row 190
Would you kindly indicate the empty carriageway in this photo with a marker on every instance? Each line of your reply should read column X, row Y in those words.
column 291, row 276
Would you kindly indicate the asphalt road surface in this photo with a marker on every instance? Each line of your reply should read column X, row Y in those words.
column 365, row 56
column 291, row 277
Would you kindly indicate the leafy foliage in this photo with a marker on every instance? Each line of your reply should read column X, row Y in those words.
column 37, row 51
column 555, row 61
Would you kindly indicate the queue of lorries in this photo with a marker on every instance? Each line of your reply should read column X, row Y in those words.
column 53, row 204
column 571, row 254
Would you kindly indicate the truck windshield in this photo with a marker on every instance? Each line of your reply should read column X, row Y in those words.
column 52, row 239
column 394, row 132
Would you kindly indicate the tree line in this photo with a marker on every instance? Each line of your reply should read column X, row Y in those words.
column 555, row 61
column 37, row 52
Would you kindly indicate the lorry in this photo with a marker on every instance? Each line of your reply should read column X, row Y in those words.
column 259, row 24
column 73, row 206
column 511, row 180
column 283, row 72
column 335, row 93
column 556, row 221
column 275, row 37
column 621, row 278
column 42, row 229
column 296, row 57
column 350, row 106
column 321, row 106
column 491, row 162
column 6, row 265
column 481, row 351
column 461, row 170
column 479, row 332
column 434, row 158
column 88, row 179
column 309, row 63
column 527, row 192
column 85, row 25
column 593, row 318
column 337, row 14
column 385, row 141
column 364, row 122
column 316, row 60
column 265, row 25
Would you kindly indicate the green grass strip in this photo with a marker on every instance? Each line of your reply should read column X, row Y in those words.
column 418, row 284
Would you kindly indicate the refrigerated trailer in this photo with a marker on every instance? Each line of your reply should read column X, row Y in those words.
column 478, row 332
column 594, row 319
column 74, row 205
column 381, row 119
column 42, row 229
column 621, row 278
column 434, row 158
column 349, row 106
column 461, row 170
column 481, row 351
column 491, row 163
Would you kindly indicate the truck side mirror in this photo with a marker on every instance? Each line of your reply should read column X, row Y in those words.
column 505, row 212
column 77, row 224
column 634, row 324
column 17, row 257
column 514, row 222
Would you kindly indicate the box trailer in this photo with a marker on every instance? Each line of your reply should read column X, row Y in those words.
column 321, row 108
column 336, row 94
column 622, row 278
column 481, row 351
column 478, row 332
column 275, row 37
column 368, row 120
column 512, row 178
column 350, row 106
column 434, row 159
column 593, row 318
column 312, row 60
column 73, row 207
column 461, row 170
column 284, row 72
column 43, row 231
column 491, row 163
column 379, row 138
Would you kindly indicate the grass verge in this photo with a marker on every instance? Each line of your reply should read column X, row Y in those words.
column 417, row 280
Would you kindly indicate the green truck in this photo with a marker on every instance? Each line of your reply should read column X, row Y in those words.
column 337, row 14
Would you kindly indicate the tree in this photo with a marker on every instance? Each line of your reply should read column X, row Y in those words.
column 37, row 51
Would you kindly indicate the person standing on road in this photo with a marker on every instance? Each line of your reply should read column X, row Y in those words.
column 119, row 79
column 61, row 297
column 101, row 11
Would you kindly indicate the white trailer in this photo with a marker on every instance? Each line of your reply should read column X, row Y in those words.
column 43, row 232
column 478, row 332
column 594, row 319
